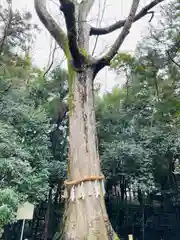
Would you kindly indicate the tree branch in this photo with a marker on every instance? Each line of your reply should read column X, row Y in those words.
column 99, row 22
column 69, row 11
column 51, row 25
column 120, row 24
column 172, row 59
column 50, row 64
column 152, row 15
column 106, row 59
column 85, row 7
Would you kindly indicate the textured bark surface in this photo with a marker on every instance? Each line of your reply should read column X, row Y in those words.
column 86, row 218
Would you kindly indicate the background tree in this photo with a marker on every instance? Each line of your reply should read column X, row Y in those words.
column 30, row 164
column 138, row 132
column 24, row 144
column 15, row 29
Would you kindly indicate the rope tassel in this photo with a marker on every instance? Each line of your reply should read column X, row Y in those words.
column 96, row 186
column 90, row 193
column 65, row 193
column 72, row 195
column 103, row 187
column 82, row 191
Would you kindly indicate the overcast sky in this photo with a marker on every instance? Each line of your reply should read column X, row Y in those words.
column 114, row 11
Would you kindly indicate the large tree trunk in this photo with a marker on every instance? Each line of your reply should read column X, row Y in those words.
column 86, row 215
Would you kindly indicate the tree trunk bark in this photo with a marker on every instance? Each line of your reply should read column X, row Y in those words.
column 86, row 216
column 49, row 203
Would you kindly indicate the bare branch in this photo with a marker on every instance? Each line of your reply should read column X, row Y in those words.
column 55, row 3
column 99, row 23
column 51, row 25
column 105, row 60
column 152, row 15
column 50, row 64
column 85, row 7
column 68, row 8
column 144, row 11
column 51, row 51
column 2, row 17
column 172, row 59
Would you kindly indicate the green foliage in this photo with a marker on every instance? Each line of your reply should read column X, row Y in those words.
column 138, row 124
column 122, row 153
column 8, row 205
column 33, row 151
column 50, row 93
column 24, row 147
column 25, row 154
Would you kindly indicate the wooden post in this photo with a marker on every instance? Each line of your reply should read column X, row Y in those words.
column 22, row 229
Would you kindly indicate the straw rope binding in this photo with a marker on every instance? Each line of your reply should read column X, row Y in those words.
column 79, row 191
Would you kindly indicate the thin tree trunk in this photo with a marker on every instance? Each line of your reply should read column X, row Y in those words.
column 142, row 224
column 86, row 218
column 48, row 214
